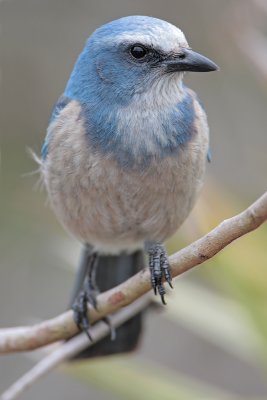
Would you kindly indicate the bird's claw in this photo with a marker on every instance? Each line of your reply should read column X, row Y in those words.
column 80, row 309
column 159, row 269
column 112, row 330
column 80, row 316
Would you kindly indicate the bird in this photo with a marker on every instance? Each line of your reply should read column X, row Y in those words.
column 124, row 158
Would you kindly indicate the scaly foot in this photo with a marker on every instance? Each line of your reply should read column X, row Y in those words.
column 87, row 295
column 159, row 269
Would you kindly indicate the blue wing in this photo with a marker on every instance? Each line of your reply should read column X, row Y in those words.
column 209, row 155
column 61, row 103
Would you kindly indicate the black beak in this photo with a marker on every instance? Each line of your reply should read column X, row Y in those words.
column 189, row 60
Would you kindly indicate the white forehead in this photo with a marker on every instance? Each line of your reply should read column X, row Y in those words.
column 166, row 37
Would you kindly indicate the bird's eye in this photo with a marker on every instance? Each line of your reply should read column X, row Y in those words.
column 138, row 51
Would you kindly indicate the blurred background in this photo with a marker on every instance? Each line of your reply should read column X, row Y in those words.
column 211, row 340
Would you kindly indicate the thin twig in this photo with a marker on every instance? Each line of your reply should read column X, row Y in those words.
column 73, row 347
column 63, row 327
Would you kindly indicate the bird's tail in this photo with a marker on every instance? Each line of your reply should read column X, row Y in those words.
column 111, row 271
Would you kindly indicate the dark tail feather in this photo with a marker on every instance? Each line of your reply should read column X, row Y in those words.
column 111, row 271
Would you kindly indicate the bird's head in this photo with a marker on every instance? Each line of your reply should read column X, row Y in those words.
column 130, row 55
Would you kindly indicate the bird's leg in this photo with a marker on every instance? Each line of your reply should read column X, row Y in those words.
column 90, row 286
column 92, row 291
column 159, row 268
column 87, row 294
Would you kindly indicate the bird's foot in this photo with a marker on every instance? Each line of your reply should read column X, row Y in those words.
column 89, row 295
column 159, row 268
column 112, row 330
column 80, row 308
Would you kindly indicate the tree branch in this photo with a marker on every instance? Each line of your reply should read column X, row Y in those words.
column 69, row 349
column 63, row 327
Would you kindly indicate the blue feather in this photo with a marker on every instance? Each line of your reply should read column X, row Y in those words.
column 103, row 71
column 105, row 137
column 209, row 157
column 104, row 81
column 61, row 103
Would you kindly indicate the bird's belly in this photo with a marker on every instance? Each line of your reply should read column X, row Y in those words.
column 111, row 208
column 116, row 209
